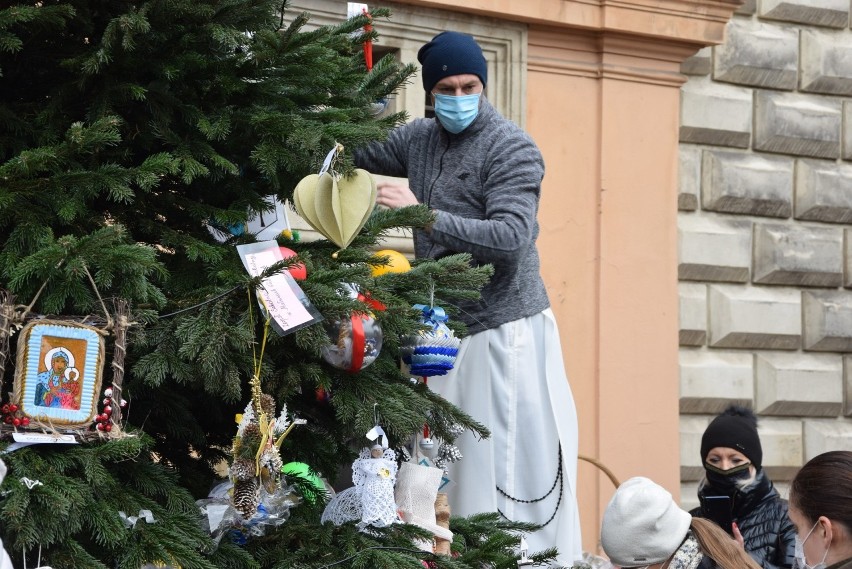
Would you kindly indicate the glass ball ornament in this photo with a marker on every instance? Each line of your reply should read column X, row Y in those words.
column 355, row 342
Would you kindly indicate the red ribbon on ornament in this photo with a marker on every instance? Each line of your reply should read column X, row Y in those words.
column 368, row 45
column 358, row 339
column 371, row 302
column 357, row 342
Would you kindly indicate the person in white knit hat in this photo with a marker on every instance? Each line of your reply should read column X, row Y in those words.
column 643, row 527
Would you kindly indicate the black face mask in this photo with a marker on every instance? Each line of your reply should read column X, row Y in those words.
column 727, row 481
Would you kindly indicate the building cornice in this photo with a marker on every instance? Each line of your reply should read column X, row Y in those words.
column 697, row 22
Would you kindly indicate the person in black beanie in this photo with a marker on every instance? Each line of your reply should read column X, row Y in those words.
column 733, row 458
column 481, row 174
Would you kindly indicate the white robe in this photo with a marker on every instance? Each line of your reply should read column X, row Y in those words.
column 512, row 379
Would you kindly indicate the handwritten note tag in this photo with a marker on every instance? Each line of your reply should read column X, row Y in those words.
column 280, row 296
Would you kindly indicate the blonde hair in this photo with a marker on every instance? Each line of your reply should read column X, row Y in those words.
column 721, row 547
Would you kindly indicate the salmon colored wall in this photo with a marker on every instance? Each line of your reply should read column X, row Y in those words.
column 607, row 122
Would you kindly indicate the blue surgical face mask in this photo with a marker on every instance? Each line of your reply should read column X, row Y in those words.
column 456, row 113
column 800, row 562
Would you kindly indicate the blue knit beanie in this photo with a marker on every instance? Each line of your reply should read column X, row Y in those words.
column 451, row 53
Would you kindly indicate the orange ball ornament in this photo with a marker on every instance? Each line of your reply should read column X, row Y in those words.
column 397, row 263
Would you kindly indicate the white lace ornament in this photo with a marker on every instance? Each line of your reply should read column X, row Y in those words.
column 371, row 500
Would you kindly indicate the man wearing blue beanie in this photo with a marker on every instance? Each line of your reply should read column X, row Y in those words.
column 481, row 176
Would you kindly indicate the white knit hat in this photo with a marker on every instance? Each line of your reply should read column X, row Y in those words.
column 642, row 524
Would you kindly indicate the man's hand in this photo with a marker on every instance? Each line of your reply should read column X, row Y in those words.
column 394, row 195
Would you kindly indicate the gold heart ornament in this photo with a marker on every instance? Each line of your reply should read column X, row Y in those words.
column 337, row 208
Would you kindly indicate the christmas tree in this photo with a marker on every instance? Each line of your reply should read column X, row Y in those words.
column 135, row 138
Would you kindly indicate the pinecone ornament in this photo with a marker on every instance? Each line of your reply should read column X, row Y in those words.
column 243, row 469
column 402, row 454
column 446, row 454
column 267, row 405
column 246, row 497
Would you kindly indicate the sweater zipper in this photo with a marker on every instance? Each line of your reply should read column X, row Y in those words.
column 440, row 171
column 432, row 187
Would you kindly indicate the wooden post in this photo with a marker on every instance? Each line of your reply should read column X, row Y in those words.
column 442, row 518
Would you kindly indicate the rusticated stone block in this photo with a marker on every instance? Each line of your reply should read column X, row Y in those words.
column 847, row 385
column 847, row 258
column 798, row 255
column 781, row 440
column 799, row 384
column 737, row 182
column 825, row 435
column 693, row 314
column 698, row 64
column 713, row 249
column 847, row 130
column 747, row 8
column 749, row 317
column 826, row 63
column 689, row 172
column 691, row 430
column 713, row 113
column 827, row 321
column 759, row 55
column 790, row 123
column 829, row 13
column 824, row 191
column 712, row 380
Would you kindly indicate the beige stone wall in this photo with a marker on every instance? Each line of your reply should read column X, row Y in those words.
column 765, row 261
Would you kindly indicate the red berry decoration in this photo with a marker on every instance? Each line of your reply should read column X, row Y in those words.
column 16, row 422
column 5, row 409
column 25, row 421
column 13, row 408
column 102, row 419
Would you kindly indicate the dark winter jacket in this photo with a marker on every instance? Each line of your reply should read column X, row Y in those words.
column 761, row 516
column 483, row 185
column 845, row 564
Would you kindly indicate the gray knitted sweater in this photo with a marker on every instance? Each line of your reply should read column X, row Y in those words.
column 484, row 185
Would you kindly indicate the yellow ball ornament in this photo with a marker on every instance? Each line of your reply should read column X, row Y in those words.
column 397, row 263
